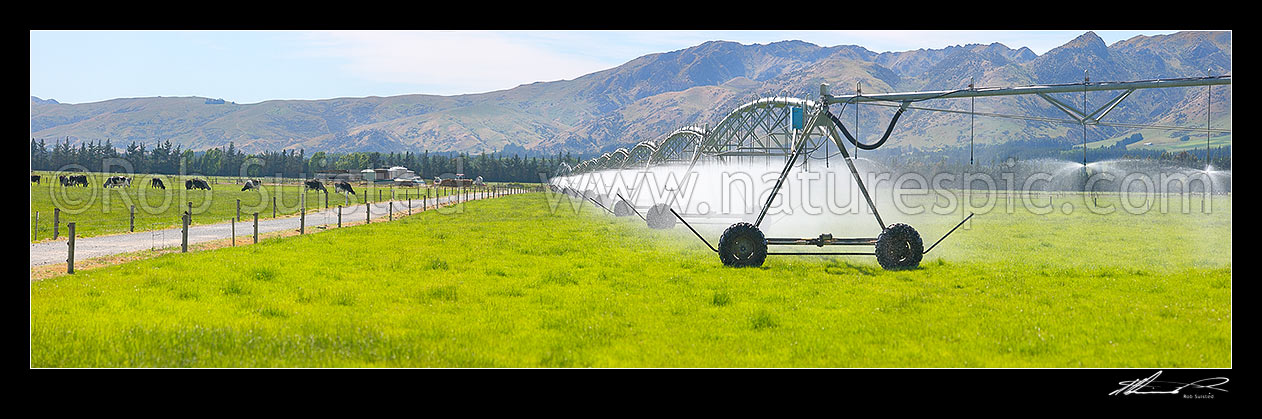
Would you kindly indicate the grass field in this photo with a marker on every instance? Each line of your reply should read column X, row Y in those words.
column 509, row 283
column 97, row 211
column 1161, row 142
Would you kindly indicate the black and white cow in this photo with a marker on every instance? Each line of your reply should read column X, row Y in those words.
column 73, row 180
column 196, row 184
column 116, row 181
column 315, row 185
column 251, row 184
column 344, row 187
column 157, row 183
column 35, row 178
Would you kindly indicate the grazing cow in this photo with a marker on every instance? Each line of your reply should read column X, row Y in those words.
column 72, row 180
column 196, row 184
column 316, row 185
column 35, row 178
column 344, row 187
column 250, row 184
column 114, row 181
column 157, row 183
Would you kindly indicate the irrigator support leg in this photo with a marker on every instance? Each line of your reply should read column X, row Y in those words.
column 944, row 236
column 637, row 212
column 694, row 231
column 598, row 204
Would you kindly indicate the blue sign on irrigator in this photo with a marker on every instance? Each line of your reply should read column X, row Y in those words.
column 797, row 117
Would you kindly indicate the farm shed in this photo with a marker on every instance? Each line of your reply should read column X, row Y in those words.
column 408, row 182
column 397, row 172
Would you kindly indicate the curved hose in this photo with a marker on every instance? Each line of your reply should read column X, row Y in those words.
column 873, row 146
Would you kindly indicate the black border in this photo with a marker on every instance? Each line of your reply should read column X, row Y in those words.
column 565, row 389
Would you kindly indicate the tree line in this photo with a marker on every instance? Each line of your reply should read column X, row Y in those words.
column 166, row 158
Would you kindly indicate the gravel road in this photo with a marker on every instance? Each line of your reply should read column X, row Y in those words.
column 51, row 252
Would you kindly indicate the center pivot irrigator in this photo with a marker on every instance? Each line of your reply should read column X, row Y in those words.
column 786, row 128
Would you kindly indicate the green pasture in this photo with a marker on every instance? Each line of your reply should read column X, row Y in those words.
column 528, row 281
column 96, row 210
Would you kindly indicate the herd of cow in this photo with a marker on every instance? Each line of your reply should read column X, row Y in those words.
column 251, row 184
column 341, row 187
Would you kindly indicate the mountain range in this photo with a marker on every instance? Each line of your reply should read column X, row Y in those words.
column 648, row 97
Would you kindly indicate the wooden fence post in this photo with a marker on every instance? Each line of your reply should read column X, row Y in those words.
column 184, row 233
column 70, row 254
column 390, row 213
column 273, row 207
column 367, row 212
column 35, row 234
column 256, row 228
column 131, row 222
column 339, row 216
column 238, row 209
column 56, row 222
column 234, row 232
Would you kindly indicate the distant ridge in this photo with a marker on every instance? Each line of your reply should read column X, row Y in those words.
column 649, row 96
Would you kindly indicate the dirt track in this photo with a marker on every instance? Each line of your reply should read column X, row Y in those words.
column 51, row 252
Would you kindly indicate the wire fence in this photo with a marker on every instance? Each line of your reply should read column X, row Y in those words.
column 156, row 235
column 138, row 214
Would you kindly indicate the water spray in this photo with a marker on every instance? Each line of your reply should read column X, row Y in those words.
column 788, row 127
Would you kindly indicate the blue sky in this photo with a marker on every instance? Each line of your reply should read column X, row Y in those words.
column 254, row 66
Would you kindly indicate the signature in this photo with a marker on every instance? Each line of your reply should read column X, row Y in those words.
column 1150, row 385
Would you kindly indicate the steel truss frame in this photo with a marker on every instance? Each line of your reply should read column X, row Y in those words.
column 765, row 127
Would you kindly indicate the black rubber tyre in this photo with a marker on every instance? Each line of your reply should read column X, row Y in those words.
column 742, row 245
column 622, row 209
column 659, row 217
column 899, row 247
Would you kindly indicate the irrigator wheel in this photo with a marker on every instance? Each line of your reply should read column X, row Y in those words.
column 899, row 247
column 742, row 245
column 622, row 209
column 659, row 217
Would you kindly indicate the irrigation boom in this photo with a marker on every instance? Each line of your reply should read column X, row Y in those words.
column 1032, row 90
column 1043, row 91
column 790, row 127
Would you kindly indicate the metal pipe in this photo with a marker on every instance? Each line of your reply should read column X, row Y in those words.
column 637, row 213
column 694, row 231
column 944, row 236
column 1034, row 89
